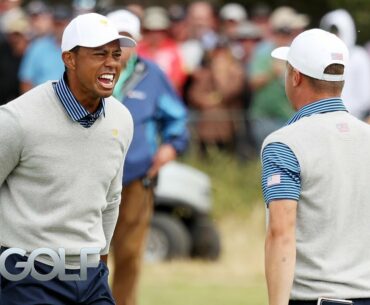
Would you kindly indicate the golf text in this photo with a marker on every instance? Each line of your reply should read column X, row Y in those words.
column 58, row 264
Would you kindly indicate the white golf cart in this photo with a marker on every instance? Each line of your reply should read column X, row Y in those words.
column 181, row 225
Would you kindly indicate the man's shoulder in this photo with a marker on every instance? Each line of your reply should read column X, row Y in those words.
column 112, row 102
column 287, row 133
column 35, row 96
column 30, row 104
column 320, row 125
column 119, row 116
column 114, row 106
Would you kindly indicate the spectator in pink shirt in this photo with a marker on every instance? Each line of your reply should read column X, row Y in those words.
column 158, row 46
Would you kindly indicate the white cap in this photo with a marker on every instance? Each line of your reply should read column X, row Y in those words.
column 314, row 50
column 15, row 21
column 156, row 19
column 233, row 11
column 125, row 21
column 286, row 18
column 92, row 30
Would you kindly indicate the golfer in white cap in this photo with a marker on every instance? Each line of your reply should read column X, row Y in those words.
column 315, row 184
column 62, row 150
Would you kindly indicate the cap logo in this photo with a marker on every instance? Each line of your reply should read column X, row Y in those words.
column 336, row 56
column 104, row 21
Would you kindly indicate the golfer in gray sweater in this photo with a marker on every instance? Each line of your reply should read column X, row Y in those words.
column 62, row 150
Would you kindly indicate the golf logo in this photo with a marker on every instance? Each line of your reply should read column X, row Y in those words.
column 58, row 264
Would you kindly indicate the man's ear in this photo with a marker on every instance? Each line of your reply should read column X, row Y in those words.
column 69, row 59
column 297, row 78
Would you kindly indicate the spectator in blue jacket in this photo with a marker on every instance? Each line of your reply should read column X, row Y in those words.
column 42, row 60
column 158, row 113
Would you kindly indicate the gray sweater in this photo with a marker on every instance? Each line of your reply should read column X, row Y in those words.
column 333, row 215
column 60, row 183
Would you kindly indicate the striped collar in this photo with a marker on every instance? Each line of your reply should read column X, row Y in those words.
column 321, row 106
column 73, row 107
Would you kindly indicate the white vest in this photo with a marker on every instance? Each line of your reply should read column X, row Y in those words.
column 333, row 215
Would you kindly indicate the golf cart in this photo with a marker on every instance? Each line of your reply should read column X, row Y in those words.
column 181, row 225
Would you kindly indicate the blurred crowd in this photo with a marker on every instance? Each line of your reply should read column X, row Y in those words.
column 217, row 59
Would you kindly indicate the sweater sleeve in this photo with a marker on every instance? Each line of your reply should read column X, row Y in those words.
column 110, row 214
column 10, row 142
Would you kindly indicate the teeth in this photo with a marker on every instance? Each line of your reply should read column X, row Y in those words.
column 107, row 76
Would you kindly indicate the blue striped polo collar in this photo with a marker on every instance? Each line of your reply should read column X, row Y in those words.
column 321, row 106
column 72, row 106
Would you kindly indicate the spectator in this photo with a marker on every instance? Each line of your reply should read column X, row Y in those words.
column 42, row 60
column 41, row 18
column 247, row 35
column 136, row 9
column 356, row 91
column 12, row 49
column 12, row 7
column 215, row 93
column 231, row 15
column 158, row 46
column 202, row 24
column 260, row 15
column 158, row 113
column 270, row 108
column 178, row 28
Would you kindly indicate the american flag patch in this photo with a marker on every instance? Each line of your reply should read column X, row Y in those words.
column 273, row 180
column 336, row 56
column 342, row 127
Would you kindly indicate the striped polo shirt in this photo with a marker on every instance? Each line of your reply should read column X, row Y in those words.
column 74, row 108
column 280, row 167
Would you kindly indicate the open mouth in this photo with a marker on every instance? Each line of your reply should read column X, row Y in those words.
column 106, row 80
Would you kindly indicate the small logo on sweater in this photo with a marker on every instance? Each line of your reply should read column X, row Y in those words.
column 273, row 180
column 115, row 132
column 103, row 21
column 342, row 127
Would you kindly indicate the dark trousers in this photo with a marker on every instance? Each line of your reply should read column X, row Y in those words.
column 30, row 291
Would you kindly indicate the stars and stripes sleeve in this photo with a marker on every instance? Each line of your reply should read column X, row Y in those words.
column 280, row 173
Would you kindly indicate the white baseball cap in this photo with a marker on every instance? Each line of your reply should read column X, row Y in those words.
column 287, row 18
column 125, row 21
column 314, row 50
column 156, row 19
column 92, row 30
column 233, row 11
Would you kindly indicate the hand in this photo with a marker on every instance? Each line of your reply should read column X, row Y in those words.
column 165, row 153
